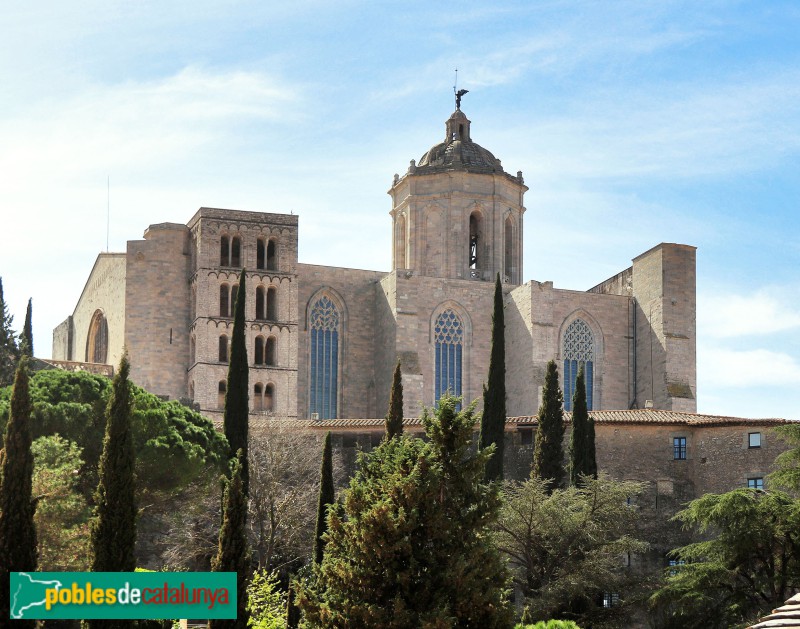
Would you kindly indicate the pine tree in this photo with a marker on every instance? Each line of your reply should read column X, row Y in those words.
column 394, row 418
column 237, row 412
column 233, row 554
column 326, row 498
column 9, row 351
column 548, row 454
column 581, row 443
column 17, row 530
column 411, row 546
column 113, row 532
column 493, row 420
column 26, row 340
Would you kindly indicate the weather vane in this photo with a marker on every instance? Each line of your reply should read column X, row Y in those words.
column 457, row 92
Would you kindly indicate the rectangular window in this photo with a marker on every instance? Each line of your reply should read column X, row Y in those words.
column 679, row 448
column 755, row 483
column 754, row 440
column 675, row 562
column 526, row 437
column 610, row 599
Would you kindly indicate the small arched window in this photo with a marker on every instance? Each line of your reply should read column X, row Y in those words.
column 224, row 251
column 272, row 351
column 475, row 243
column 509, row 250
column 221, row 388
column 261, row 298
column 578, row 352
column 234, row 295
column 223, row 348
column 260, row 254
column 272, row 304
column 258, row 397
column 236, row 251
column 270, row 399
column 259, row 351
column 224, row 293
column 272, row 255
column 192, row 350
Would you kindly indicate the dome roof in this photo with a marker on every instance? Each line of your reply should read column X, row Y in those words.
column 458, row 151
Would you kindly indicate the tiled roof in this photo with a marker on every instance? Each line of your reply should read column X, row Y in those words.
column 634, row 416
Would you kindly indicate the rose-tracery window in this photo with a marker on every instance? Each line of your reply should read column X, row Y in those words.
column 578, row 352
column 449, row 343
column 325, row 328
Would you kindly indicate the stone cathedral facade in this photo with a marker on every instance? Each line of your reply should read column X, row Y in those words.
column 323, row 340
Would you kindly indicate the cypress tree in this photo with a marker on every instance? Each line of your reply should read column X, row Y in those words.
column 493, row 420
column 548, row 454
column 9, row 352
column 237, row 412
column 233, row 554
column 17, row 530
column 113, row 532
column 326, row 498
column 581, row 444
column 394, row 418
column 26, row 345
column 292, row 610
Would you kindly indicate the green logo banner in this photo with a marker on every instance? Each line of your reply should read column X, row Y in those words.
column 124, row 595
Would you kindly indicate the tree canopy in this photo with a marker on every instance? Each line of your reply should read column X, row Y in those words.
column 173, row 443
column 748, row 564
column 566, row 547
column 410, row 545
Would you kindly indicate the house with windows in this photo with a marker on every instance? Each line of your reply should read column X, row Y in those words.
column 323, row 340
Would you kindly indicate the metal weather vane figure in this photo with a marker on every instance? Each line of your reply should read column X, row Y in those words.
column 458, row 93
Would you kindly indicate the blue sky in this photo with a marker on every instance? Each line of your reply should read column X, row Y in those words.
column 633, row 123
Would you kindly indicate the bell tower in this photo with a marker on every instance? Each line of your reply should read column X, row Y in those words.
column 457, row 214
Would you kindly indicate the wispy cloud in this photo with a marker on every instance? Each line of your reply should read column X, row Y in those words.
column 730, row 369
column 765, row 311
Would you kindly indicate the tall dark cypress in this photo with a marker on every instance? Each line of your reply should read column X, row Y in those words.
column 548, row 454
column 9, row 352
column 394, row 418
column 237, row 412
column 493, row 420
column 17, row 530
column 292, row 610
column 233, row 554
column 581, row 445
column 113, row 531
column 326, row 498
column 26, row 340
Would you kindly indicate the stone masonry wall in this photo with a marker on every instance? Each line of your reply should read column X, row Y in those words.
column 356, row 289
column 104, row 291
column 157, row 309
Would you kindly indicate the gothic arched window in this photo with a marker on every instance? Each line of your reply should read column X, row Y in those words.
column 325, row 329
column 449, row 340
column 578, row 352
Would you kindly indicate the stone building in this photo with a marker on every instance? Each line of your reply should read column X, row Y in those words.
column 323, row 340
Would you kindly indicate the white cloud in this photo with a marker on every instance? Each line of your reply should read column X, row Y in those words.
column 764, row 312
column 720, row 368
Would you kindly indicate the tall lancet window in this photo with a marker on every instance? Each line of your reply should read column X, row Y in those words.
column 578, row 352
column 449, row 340
column 325, row 327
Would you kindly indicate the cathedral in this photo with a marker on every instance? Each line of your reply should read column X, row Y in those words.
column 323, row 341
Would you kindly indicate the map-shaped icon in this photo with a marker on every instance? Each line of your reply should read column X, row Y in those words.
column 30, row 593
